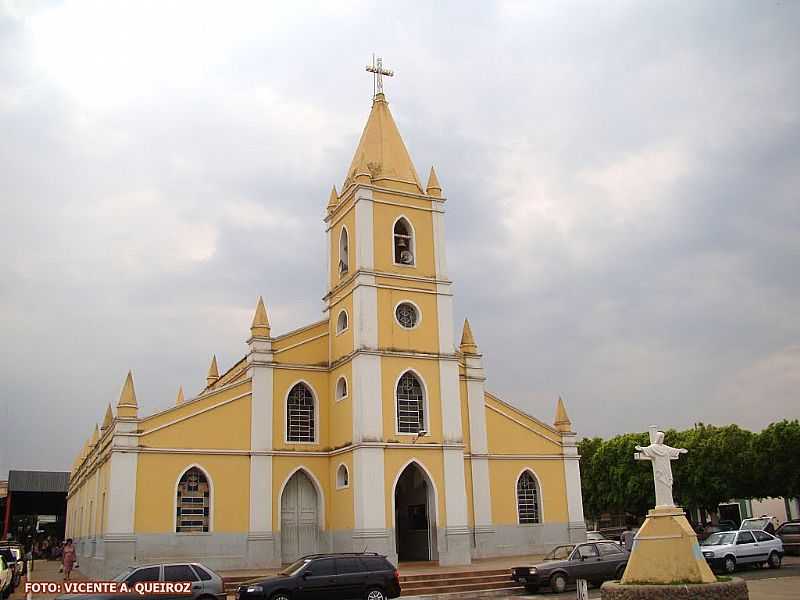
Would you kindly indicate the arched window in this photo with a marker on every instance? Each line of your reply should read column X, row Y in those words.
column 341, row 322
column 527, row 498
column 410, row 404
column 300, row 414
column 193, row 506
column 403, row 242
column 341, row 388
column 344, row 263
column 342, row 477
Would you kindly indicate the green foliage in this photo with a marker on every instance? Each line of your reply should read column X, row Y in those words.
column 722, row 463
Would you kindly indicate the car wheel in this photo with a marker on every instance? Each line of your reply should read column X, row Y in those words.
column 774, row 561
column 620, row 572
column 280, row 596
column 729, row 564
column 375, row 594
column 558, row 583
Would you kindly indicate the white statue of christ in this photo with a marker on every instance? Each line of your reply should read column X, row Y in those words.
column 660, row 455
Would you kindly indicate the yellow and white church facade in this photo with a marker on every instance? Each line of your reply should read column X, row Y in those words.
column 370, row 429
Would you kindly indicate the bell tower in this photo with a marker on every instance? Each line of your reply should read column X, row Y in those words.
column 390, row 310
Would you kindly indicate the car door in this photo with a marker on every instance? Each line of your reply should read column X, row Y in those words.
column 611, row 557
column 142, row 575
column 182, row 572
column 746, row 550
column 588, row 564
column 318, row 581
column 351, row 577
column 765, row 543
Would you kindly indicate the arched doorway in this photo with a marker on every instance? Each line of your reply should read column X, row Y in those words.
column 415, row 515
column 299, row 518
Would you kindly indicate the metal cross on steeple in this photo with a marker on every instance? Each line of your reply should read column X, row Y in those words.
column 377, row 70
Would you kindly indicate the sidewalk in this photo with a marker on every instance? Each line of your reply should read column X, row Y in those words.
column 778, row 588
column 44, row 570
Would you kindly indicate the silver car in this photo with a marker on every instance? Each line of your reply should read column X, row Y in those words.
column 725, row 550
column 206, row 585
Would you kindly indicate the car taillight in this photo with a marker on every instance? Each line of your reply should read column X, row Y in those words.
column 396, row 574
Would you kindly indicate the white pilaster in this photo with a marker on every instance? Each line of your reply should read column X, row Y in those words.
column 367, row 402
column 444, row 308
column 365, row 241
column 481, row 499
column 122, row 480
column 262, row 376
column 365, row 312
column 369, row 495
column 479, row 445
column 451, row 402
column 572, row 477
column 439, row 244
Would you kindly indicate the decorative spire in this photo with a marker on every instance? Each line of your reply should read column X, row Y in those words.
column 562, row 422
column 127, row 406
column 213, row 372
column 468, row 345
column 108, row 419
column 333, row 200
column 179, row 399
column 260, row 326
column 381, row 156
column 95, row 437
column 434, row 188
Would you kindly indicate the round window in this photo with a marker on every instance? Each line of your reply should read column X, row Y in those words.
column 406, row 314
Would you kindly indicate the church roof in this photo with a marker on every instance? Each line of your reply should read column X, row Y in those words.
column 381, row 153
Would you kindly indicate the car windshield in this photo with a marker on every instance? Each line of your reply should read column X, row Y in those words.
column 755, row 523
column 123, row 575
column 560, row 552
column 720, row 538
column 295, row 567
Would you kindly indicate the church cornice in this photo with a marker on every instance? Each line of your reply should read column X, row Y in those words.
column 333, row 217
column 388, row 274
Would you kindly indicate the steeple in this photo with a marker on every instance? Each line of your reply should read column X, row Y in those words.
column 127, row 406
column 108, row 419
column 562, row 421
column 434, row 188
column 333, row 200
column 179, row 399
column 468, row 345
column 260, row 325
column 381, row 156
column 95, row 437
column 213, row 372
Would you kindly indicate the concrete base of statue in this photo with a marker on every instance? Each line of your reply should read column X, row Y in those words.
column 665, row 550
column 735, row 589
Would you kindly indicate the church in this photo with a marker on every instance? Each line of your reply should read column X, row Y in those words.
column 371, row 429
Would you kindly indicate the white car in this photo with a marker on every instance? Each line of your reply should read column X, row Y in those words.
column 728, row 549
column 6, row 579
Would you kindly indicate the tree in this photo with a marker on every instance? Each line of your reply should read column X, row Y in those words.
column 776, row 462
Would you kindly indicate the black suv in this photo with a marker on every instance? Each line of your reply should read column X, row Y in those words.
column 328, row 577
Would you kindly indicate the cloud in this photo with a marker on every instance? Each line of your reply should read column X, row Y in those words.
column 621, row 181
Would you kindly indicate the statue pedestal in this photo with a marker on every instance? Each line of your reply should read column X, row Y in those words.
column 665, row 550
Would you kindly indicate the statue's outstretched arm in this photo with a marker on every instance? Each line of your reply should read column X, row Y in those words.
column 639, row 449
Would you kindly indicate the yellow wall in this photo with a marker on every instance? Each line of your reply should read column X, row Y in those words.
column 513, row 432
column 422, row 338
column 285, row 379
column 340, row 424
column 156, row 485
column 341, row 515
column 308, row 346
column 503, row 475
column 346, row 218
column 391, row 369
column 342, row 343
column 421, row 220
column 203, row 430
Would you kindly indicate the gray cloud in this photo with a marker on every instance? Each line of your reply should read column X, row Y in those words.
column 622, row 184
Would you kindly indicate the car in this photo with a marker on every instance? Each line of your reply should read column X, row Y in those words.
column 727, row 550
column 206, row 585
column 13, row 558
column 328, row 577
column 6, row 579
column 18, row 554
column 563, row 565
column 789, row 534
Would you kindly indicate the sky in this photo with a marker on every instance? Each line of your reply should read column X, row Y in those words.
column 623, row 184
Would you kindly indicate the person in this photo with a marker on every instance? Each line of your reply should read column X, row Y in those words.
column 68, row 558
column 626, row 539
